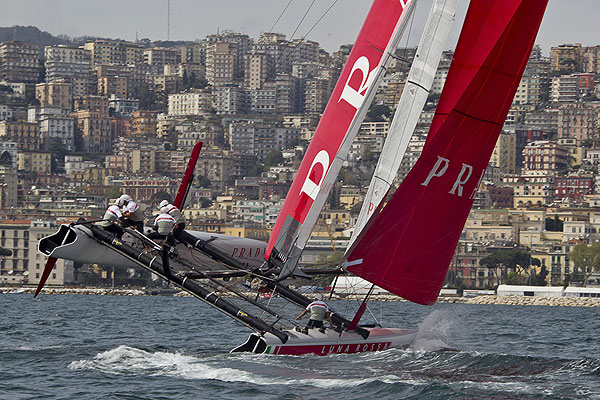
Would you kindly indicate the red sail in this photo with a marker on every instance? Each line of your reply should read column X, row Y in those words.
column 407, row 247
column 471, row 54
column 347, row 98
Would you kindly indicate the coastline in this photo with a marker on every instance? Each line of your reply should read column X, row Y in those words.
column 483, row 299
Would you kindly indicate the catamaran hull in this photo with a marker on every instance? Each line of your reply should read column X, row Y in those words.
column 328, row 342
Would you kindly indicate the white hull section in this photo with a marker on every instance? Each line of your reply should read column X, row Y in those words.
column 328, row 342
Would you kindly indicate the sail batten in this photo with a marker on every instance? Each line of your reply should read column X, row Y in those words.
column 407, row 245
column 339, row 124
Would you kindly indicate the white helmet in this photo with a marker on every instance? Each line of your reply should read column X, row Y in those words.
column 163, row 203
column 318, row 297
column 119, row 202
column 125, row 197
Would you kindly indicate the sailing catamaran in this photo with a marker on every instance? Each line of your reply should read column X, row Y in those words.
column 403, row 245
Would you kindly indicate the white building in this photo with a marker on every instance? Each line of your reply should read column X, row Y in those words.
column 196, row 102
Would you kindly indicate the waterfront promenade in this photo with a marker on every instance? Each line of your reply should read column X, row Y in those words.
column 489, row 299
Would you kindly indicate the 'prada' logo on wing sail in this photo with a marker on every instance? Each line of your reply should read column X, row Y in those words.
column 356, row 96
column 441, row 166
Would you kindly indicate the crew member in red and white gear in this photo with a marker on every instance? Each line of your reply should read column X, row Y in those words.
column 132, row 214
column 111, row 219
column 318, row 311
column 168, row 208
column 163, row 225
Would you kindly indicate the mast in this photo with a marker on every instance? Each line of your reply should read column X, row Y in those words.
column 407, row 246
column 412, row 101
column 338, row 126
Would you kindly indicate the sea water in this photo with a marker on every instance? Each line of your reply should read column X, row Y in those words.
column 110, row 347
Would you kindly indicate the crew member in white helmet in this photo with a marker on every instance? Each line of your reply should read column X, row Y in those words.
column 163, row 225
column 168, row 208
column 132, row 214
column 318, row 311
column 111, row 219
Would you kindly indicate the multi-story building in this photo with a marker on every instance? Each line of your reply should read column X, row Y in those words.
column 239, row 44
column 260, row 139
column 144, row 122
column 263, row 100
column 158, row 161
column 142, row 188
column 37, row 261
column 545, row 155
column 113, row 86
column 567, row 57
column 193, row 54
column 230, row 100
column 545, row 120
column 5, row 112
column 504, row 155
column 70, row 64
column 578, row 120
column 257, row 68
column 55, row 94
column 97, row 104
column 56, row 127
column 195, row 102
column 161, row 56
column 316, row 95
column 123, row 106
column 8, row 154
column 104, row 51
column 14, row 236
column 34, row 161
column 529, row 90
column 95, row 130
column 573, row 187
column 19, row 62
column 25, row 134
column 8, row 187
column 221, row 63
column 564, row 89
column 288, row 99
column 532, row 187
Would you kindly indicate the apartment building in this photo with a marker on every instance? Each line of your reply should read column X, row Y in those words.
column 19, row 62
column 25, row 134
column 70, row 64
column 55, row 94
column 104, row 51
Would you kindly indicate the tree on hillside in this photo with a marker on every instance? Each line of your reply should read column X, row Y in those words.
column 378, row 113
column 586, row 259
column 514, row 260
column 5, row 252
column 554, row 224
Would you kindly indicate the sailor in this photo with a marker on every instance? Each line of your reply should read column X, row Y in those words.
column 132, row 214
column 168, row 208
column 111, row 219
column 318, row 311
column 163, row 225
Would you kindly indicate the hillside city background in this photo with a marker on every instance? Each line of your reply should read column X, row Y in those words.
column 84, row 120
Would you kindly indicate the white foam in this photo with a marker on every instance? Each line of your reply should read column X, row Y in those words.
column 129, row 360
column 434, row 331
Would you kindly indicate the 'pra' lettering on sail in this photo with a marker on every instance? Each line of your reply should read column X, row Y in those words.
column 356, row 97
column 310, row 187
column 439, row 169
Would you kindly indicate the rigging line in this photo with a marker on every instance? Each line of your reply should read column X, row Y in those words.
column 280, row 15
column 412, row 19
column 302, row 19
column 288, row 54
